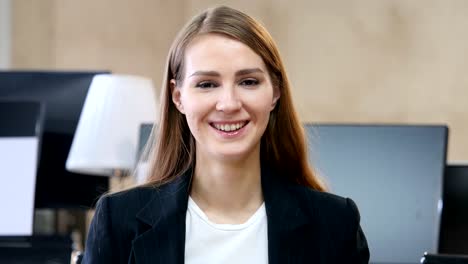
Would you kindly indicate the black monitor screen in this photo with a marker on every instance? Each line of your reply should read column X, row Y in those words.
column 63, row 94
column 454, row 228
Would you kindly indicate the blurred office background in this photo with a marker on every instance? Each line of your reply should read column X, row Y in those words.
column 359, row 61
column 387, row 61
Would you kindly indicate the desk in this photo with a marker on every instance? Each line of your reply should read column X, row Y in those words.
column 35, row 249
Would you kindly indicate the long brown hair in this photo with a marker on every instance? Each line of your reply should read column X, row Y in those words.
column 283, row 145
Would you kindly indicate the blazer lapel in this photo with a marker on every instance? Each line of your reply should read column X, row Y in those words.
column 285, row 218
column 162, row 240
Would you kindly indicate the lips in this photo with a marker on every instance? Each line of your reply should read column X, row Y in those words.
column 229, row 127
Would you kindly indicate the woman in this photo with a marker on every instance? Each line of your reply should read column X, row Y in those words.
column 230, row 181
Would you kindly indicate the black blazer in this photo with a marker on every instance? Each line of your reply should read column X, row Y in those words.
column 147, row 225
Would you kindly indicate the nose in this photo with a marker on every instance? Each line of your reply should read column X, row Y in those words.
column 229, row 100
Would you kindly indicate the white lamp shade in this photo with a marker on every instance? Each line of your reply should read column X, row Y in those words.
column 107, row 133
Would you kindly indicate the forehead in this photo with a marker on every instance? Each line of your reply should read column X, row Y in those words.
column 217, row 52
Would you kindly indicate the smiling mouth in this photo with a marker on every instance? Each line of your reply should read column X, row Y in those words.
column 231, row 127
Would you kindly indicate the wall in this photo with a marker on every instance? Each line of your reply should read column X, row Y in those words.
column 129, row 37
column 5, row 34
column 389, row 61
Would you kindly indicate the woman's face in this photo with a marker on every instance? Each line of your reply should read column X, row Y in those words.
column 226, row 96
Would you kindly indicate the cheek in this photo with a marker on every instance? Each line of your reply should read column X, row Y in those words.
column 193, row 123
column 261, row 104
column 195, row 111
column 196, row 102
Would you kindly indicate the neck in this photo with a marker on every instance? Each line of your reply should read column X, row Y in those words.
column 227, row 191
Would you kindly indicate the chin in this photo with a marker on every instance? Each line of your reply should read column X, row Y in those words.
column 233, row 155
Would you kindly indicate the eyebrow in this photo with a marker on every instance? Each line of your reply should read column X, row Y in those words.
column 217, row 74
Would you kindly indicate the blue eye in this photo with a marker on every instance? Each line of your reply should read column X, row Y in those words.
column 206, row 85
column 249, row 82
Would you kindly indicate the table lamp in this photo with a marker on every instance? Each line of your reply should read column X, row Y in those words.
column 105, row 141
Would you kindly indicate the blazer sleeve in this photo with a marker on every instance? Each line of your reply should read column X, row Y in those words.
column 359, row 251
column 99, row 244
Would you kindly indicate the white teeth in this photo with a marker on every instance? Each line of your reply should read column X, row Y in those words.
column 230, row 127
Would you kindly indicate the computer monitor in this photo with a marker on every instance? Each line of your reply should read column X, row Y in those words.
column 63, row 94
column 454, row 228
column 144, row 134
column 142, row 164
column 19, row 155
column 394, row 174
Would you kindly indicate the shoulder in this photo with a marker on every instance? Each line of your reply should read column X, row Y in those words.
column 330, row 207
column 135, row 197
column 114, row 225
column 120, row 208
column 335, row 220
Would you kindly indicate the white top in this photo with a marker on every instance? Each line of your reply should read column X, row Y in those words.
column 210, row 243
